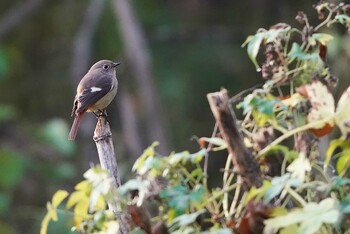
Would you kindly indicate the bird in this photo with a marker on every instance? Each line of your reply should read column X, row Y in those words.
column 95, row 92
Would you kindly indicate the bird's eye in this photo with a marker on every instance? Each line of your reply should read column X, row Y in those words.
column 105, row 66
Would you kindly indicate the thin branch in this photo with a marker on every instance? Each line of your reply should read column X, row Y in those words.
column 294, row 131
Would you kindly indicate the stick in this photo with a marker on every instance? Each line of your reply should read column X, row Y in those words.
column 244, row 162
column 106, row 154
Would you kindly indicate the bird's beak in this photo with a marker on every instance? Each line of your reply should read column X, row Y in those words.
column 115, row 64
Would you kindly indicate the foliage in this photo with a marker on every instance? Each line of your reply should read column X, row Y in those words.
column 298, row 195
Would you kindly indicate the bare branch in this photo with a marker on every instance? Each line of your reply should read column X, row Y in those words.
column 244, row 162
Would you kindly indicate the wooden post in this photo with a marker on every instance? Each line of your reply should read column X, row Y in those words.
column 106, row 154
column 244, row 162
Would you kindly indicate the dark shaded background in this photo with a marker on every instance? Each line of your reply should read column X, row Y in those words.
column 183, row 50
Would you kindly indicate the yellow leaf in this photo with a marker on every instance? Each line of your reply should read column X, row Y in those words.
column 81, row 211
column 291, row 229
column 343, row 162
column 342, row 117
column 84, row 186
column 58, row 197
column 51, row 211
column 293, row 100
column 279, row 211
column 257, row 193
column 75, row 197
column 333, row 145
column 45, row 224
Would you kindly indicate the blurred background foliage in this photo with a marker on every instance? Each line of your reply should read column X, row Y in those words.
column 194, row 47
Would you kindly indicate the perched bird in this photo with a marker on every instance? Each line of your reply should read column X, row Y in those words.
column 95, row 92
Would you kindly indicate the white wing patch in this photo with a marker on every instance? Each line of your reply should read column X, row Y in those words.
column 94, row 89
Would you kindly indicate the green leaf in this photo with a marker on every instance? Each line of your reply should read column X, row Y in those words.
column 177, row 158
column 278, row 184
column 147, row 153
column 296, row 53
column 12, row 168
column 254, row 46
column 310, row 218
column 5, row 202
column 197, row 195
column 185, row 219
column 333, row 145
column 7, row 112
column 153, row 165
column 284, row 150
column 55, row 132
column 264, row 105
column 179, row 198
column 338, row 181
column 198, row 156
column 345, row 205
column 257, row 193
column 254, row 41
column 343, row 162
column 4, row 63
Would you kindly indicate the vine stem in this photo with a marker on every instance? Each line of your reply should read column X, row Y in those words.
column 295, row 195
column 325, row 21
column 294, row 131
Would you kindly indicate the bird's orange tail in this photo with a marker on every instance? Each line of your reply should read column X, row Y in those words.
column 75, row 127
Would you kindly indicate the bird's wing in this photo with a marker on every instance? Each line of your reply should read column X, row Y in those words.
column 93, row 92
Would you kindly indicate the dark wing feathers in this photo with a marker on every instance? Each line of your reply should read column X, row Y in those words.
column 88, row 98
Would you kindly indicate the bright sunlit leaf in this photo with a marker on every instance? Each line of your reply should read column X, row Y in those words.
column 147, row 153
column 75, row 197
column 322, row 103
column 322, row 38
column 58, row 197
column 299, row 167
column 310, row 218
